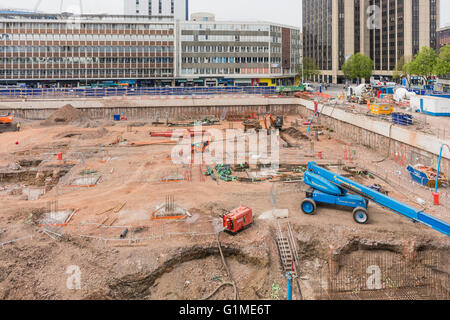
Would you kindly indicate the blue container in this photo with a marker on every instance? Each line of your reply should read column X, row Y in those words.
column 418, row 176
column 402, row 119
column 117, row 117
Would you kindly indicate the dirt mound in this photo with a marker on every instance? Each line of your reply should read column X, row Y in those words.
column 66, row 115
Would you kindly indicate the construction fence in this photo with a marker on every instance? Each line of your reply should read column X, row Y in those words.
column 401, row 117
column 130, row 92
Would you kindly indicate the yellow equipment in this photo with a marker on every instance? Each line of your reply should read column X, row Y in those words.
column 381, row 108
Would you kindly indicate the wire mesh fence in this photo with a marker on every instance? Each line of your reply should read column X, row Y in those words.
column 384, row 275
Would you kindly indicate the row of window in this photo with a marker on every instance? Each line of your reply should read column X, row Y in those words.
column 84, row 72
column 84, row 37
column 76, row 24
column 211, row 71
column 84, row 60
column 229, row 60
column 229, row 38
column 87, row 50
column 244, row 49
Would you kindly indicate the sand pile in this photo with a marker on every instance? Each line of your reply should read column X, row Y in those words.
column 65, row 115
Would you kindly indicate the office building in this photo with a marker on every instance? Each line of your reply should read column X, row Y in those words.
column 237, row 53
column 50, row 49
column 384, row 30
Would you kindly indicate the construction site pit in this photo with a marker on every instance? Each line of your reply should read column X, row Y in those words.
column 107, row 200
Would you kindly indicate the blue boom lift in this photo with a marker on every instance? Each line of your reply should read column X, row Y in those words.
column 328, row 187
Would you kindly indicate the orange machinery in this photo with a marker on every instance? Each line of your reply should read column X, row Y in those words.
column 6, row 120
column 238, row 220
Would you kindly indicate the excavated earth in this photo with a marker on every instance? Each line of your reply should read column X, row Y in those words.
column 333, row 251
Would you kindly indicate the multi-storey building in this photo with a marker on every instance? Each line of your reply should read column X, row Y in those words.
column 50, row 49
column 179, row 9
column 384, row 30
column 444, row 36
column 46, row 48
column 240, row 53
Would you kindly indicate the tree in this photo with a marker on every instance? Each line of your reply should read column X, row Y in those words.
column 310, row 68
column 442, row 67
column 358, row 66
column 424, row 63
column 402, row 69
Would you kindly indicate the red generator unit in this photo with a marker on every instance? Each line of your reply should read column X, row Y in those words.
column 238, row 220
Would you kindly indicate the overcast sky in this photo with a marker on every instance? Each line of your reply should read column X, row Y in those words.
column 281, row 11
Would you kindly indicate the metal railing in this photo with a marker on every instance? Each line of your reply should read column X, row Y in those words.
column 129, row 92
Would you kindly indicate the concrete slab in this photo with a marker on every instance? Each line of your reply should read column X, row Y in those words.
column 88, row 181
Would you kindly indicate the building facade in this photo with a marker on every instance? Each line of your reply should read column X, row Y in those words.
column 238, row 53
column 384, row 30
column 39, row 48
column 444, row 36
column 54, row 50
column 179, row 9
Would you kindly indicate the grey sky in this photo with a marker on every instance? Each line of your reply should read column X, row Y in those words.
column 281, row 11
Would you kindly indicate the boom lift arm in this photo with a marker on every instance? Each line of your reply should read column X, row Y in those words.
column 327, row 184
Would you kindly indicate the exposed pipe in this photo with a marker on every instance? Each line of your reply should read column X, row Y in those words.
column 289, row 287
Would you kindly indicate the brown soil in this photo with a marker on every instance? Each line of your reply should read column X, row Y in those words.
column 181, row 266
column 66, row 115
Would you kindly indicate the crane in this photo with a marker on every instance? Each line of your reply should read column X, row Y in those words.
column 328, row 187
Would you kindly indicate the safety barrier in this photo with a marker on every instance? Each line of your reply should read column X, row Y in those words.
column 130, row 92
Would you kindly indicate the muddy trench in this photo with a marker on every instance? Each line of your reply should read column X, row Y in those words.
column 140, row 286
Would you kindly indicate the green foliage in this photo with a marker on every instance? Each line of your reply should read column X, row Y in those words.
column 442, row 66
column 358, row 66
column 402, row 68
column 310, row 68
column 424, row 63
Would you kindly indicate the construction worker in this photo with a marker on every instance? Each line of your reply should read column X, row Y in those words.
column 18, row 126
